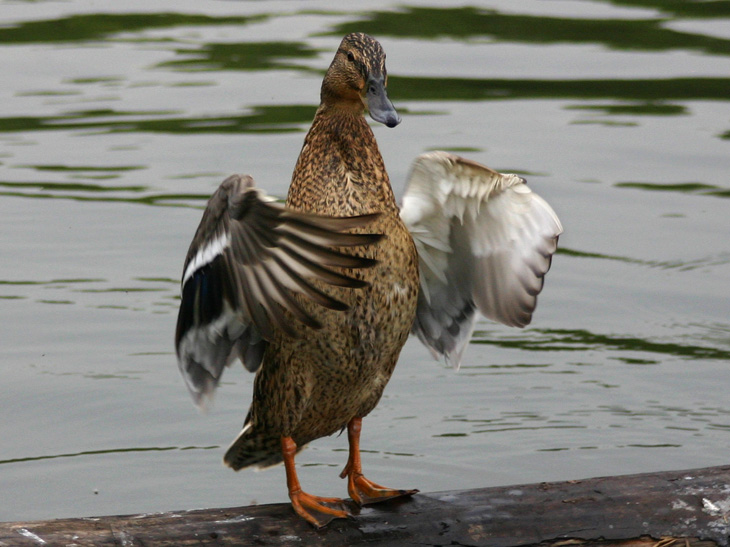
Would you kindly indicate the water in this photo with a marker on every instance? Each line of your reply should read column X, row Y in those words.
column 117, row 120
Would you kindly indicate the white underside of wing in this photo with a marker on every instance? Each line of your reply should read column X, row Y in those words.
column 513, row 240
column 484, row 240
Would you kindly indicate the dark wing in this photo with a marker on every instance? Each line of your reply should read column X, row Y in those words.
column 485, row 242
column 249, row 255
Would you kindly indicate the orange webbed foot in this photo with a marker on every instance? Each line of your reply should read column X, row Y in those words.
column 316, row 510
column 363, row 491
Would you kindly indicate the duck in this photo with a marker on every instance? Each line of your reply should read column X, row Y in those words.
column 318, row 296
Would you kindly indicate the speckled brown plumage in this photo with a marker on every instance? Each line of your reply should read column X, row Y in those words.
column 314, row 385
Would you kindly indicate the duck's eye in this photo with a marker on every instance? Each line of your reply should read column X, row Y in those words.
column 350, row 57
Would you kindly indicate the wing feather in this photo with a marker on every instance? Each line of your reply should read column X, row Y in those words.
column 248, row 258
column 485, row 242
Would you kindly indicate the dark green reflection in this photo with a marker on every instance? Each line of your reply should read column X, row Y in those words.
column 97, row 26
column 683, row 265
column 702, row 10
column 467, row 22
column 587, row 254
column 649, row 108
column 438, row 89
column 681, row 187
column 279, row 118
column 275, row 118
column 71, row 187
column 104, row 452
column 242, row 56
column 583, row 340
column 58, row 168
column 98, row 193
column 61, row 282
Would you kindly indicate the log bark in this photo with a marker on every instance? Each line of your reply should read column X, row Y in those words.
column 667, row 509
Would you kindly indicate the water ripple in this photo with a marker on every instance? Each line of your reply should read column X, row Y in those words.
column 463, row 23
column 104, row 452
column 698, row 188
column 718, row 259
column 584, row 340
column 102, row 26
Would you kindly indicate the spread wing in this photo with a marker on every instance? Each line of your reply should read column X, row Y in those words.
column 485, row 242
column 247, row 259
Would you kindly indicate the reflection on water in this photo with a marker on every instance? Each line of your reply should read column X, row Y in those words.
column 470, row 22
column 90, row 192
column 469, row 89
column 99, row 26
column 705, row 10
column 260, row 120
column 102, row 452
column 283, row 118
column 624, row 368
column 90, row 172
column 160, row 293
column 683, row 187
column 643, row 109
column 719, row 259
column 582, row 340
column 242, row 56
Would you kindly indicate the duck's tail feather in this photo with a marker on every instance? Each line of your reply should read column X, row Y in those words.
column 254, row 448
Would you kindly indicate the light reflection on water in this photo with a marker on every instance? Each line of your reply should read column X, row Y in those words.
column 111, row 145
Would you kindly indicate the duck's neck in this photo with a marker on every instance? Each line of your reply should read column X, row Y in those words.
column 340, row 169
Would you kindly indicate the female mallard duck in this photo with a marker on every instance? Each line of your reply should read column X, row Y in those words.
column 321, row 323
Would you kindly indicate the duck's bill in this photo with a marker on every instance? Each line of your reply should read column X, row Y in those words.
column 379, row 105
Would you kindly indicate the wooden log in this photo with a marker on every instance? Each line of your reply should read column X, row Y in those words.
column 668, row 509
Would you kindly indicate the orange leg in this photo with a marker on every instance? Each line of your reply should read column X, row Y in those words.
column 361, row 490
column 313, row 509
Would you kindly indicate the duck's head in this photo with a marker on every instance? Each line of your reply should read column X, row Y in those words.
column 357, row 79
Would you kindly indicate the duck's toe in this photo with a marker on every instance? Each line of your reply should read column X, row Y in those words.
column 365, row 492
column 316, row 510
